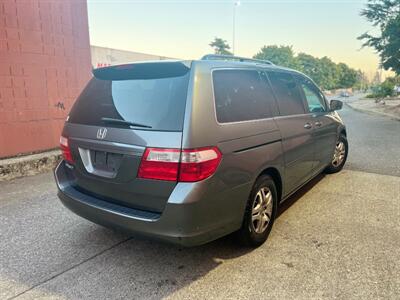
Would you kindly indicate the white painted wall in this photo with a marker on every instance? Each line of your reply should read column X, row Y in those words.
column 102, row 56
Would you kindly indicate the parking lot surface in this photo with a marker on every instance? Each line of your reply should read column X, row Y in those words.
column 339, row 237
column 374, row 142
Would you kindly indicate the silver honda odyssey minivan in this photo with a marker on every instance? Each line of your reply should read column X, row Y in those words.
column 190, row 151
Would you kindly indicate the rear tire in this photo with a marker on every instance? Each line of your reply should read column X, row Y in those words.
column 260, row 213
column 339, row 156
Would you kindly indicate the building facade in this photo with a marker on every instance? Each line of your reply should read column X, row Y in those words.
column 104, row 57
column 44, row 63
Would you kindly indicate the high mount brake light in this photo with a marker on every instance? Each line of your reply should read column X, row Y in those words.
column 65, row 149
column 188, row 165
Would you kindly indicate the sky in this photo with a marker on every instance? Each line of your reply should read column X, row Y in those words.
column 183, row 29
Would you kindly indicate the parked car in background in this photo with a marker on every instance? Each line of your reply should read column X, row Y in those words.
column 397, row 90
column 344, row 94
column 190, row 151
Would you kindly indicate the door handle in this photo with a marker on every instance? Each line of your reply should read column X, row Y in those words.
column 318, row 124
column 307, row 126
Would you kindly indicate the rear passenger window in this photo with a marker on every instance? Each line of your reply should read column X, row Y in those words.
column 241, row 95
column 287, row 93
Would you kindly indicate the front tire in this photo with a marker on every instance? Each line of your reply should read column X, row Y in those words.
column 339, row 156
column 260, row 213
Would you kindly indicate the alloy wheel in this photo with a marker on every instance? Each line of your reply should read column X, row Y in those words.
column 261, row 212
column 338, row 156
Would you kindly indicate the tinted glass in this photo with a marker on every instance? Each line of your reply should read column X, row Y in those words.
column 241, row 95
column 315, row 100
column 157, row 102
column 287, row 92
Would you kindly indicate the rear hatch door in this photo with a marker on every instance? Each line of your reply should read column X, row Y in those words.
column 123, row 110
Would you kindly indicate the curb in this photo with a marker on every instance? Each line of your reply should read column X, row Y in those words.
column 28, row 165
column 373, row 112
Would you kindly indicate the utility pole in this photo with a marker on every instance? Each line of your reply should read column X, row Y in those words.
column 235, row 5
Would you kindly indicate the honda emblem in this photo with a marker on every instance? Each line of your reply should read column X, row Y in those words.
column 101, row 133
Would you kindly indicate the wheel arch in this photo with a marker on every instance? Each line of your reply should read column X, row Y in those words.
column 342, row 131
column 276, row 177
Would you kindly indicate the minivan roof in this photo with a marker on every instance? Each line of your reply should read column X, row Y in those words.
column 213, row 60
column 238, row 64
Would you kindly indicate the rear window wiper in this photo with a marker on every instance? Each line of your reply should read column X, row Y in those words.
column 123, row 122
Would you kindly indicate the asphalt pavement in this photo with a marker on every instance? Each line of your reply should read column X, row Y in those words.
column 374, row 142
column 338, row 237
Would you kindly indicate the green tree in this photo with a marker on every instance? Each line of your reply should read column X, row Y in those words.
column 385, row 15
column 310, row 66
column 326, row 73
column 387, row 88
column 384, row 89
column 220, row 46
column 323, row 71
column 279, row 55
column 348, row 77
column 362, row 82
column 329, row 73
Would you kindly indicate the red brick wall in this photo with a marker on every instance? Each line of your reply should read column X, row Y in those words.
column 44, row 63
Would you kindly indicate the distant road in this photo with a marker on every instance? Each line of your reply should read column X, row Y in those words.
column 374, row 142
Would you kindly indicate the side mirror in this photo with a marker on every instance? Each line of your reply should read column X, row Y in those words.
column 336, row 105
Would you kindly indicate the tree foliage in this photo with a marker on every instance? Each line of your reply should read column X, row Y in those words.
column 323, row 71
column 385, row 15
column 279, row 55
column 385, row 89
column 220, row 46
column 362, row 82
column 348, row 77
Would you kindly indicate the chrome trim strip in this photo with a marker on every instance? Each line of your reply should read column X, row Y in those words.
column 115, row 146
column 86, row 160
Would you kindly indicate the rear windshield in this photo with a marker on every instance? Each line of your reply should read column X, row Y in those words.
column 158, row 103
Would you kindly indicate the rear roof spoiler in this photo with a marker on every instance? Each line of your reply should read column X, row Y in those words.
column 142, row 70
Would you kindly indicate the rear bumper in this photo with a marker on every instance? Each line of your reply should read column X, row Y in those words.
column 187, row 219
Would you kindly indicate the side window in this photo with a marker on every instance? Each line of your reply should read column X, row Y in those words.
column 287, row 93
column 315, row 100
column 241, row 95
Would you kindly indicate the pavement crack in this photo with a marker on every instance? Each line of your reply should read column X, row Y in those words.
column 70, row 268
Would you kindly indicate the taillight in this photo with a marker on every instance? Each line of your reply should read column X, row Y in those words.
column 188, row 165
column 160, row 164
column 66, row 151
column 198, row 164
